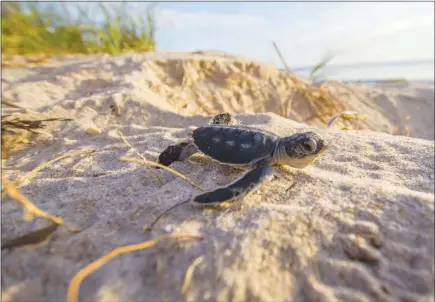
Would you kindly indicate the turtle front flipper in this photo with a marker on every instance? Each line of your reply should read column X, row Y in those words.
column 178, row 152
column 246, row 184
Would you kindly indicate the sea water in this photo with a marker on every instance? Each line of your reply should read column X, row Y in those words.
column 418, row 71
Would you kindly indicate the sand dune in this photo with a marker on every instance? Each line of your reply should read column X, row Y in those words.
column 206, row 84
column 356, row 226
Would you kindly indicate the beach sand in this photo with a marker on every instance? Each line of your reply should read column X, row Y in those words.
column 358, row 225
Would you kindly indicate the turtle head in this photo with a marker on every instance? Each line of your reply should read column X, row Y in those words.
column 299, row 150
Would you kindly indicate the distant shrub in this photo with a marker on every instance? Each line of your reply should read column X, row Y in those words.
column 31, row 28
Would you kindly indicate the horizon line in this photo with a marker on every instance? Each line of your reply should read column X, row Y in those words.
column 405, row 62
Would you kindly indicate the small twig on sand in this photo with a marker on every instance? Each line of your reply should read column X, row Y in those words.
column 141, row 156
column 151, row 163
column 150, row 226
column 189, row 273
column 35, row 171
column 29, row 208
column 74, row 286
column 348, row 115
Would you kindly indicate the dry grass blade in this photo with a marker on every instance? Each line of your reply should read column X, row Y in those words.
column 151, row 163
column 281, row 57
column 29, row 208
column 321, row 65
column 35, row 171
column 27, row 124
column 407, row 132
column 320, row 101
column 347, row 115
column 73, row 289
column 17, row 131
column 189, row 273
column 150, row 226
column 10, row 104
column 141, row 156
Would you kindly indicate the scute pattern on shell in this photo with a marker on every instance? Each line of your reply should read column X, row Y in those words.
column 234, row 145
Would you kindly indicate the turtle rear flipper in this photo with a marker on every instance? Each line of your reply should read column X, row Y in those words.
column 246, row 184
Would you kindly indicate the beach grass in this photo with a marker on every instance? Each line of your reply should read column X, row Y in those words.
column 34, row 29
column 320, row 66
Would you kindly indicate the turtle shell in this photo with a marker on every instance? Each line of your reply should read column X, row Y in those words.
column 234, row 144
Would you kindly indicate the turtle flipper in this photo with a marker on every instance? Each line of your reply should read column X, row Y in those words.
column 183, row 150
column 178, row 152
column 246, row 184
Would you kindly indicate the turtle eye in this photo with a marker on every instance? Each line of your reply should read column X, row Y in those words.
column 310, row 145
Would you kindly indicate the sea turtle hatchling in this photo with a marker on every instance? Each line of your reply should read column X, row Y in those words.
column 230, row 143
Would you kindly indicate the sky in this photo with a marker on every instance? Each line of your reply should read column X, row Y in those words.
column 305, row 32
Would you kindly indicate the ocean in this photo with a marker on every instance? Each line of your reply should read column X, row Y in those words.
column 416, row 71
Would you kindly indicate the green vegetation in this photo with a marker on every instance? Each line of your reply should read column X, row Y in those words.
column 32, row 29
column 321, row 65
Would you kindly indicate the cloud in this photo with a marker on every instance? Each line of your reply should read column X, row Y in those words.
column 364, row 32
column 395, row 39
column 404, row 25
column 304, row 32
column 183, row 20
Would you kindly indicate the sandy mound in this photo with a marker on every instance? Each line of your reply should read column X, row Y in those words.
column 356, row 226
column 210, row 83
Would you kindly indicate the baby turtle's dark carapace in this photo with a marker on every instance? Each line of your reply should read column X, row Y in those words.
column 233, row 144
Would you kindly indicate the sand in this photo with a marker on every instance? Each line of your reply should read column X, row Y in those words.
column 358, row 225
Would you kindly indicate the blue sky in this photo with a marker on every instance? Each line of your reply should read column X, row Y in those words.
column 305, row 32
